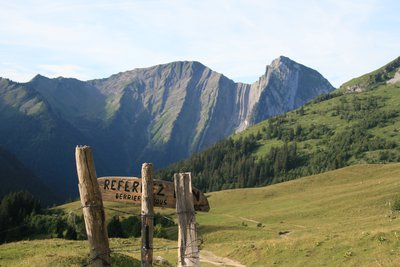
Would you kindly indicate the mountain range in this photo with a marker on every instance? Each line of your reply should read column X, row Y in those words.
column 159, row 114
column 357, row 123
column 16, row 177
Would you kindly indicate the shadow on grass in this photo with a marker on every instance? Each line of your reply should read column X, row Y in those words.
column 172, row 232
column 203, row 229
column 119, row 260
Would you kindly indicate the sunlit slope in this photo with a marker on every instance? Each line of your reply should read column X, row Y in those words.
column 338, row 218
column 358, row 123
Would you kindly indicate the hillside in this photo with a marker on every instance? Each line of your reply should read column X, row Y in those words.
column 159, row 114
column 16, row 177
column 338, row 218
column 346, row 127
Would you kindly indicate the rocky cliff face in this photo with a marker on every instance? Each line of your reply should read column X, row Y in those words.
column 187, row 105
column 159, row 114
column 286, row 85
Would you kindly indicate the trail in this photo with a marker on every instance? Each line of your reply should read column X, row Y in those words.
column 209, row 257
column 249, row 220
column 243, row 218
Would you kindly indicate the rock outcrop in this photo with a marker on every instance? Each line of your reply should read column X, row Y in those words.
column 159, row 114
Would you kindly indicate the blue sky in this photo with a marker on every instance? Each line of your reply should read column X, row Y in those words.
column 95, row 39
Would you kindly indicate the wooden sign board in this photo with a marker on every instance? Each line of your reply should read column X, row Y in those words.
column 129, row 190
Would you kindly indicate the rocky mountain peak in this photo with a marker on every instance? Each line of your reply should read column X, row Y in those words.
column 159, row 114
column 283, row 62
column 38, row 77
column 280, row 60
column 285, row 85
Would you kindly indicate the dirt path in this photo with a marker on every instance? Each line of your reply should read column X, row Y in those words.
column 209, row 257
column 243, row 218
column 249, row 220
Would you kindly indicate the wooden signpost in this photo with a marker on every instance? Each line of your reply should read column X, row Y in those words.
column 143, row 191
column 129, row 190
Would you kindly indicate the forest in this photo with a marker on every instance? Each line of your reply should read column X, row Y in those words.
column 234, row 163
column 22, row 217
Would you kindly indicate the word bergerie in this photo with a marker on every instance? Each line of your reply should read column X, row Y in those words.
column 129, row 190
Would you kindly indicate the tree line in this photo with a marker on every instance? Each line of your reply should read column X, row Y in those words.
column 232, row 163
column 22, row 217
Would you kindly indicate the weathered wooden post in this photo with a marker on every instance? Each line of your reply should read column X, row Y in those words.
column 93, row 210
column 188, row 252
column 147, row 215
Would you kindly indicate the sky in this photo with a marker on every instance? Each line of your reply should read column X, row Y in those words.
column 91, row 39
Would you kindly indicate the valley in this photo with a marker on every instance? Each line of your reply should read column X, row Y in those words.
column 331, row 167
column 200, row 133
column 332, row 131
column 159, row 114
column 343, row 218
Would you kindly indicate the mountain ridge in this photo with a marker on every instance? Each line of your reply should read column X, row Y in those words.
column 341, row 128
column 158, row 114
column 16, row 177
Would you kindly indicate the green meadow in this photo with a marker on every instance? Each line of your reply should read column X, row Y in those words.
column 339, row 218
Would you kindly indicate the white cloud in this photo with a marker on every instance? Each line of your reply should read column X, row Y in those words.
column 95, row 39
column 16, row 72
column 66, row 71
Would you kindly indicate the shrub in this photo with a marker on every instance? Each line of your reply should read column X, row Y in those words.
column 396, row 204
column 159, row 231
column 15, row 208
column 114, row 228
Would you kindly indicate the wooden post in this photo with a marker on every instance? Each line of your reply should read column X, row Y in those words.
column 93, row 210
column 147, row 215
column 188, row 252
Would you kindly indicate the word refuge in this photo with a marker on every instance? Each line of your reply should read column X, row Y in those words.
column 130, row 186
column 129, row 190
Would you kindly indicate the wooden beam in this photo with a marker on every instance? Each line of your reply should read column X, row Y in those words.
column 147, row 215
column 93, row 210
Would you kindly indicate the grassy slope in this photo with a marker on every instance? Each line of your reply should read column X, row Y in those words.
column 340, row 129
column 339, row 218
column 322, row 112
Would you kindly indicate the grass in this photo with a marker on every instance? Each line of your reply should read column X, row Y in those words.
column 323, row 113
column 339, row 218
column 59, row 252
column 365, row 80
